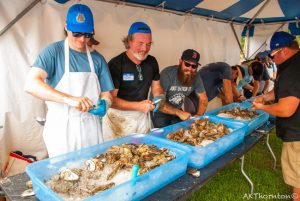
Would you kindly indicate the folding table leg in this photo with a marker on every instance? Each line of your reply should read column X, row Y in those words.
column 272, row 153
column 245, row 175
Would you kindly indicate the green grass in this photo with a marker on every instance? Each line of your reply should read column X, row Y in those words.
column 230, row 185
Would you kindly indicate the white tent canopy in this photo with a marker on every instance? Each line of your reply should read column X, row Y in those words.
column 44, row 24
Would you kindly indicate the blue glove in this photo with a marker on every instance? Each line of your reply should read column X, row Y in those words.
column 100, row 109
column 157, row 101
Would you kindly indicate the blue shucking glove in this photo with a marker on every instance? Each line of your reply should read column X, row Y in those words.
column 100, row 109
column 157, row 101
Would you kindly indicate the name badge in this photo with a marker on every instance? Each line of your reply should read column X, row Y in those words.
column 128, row 76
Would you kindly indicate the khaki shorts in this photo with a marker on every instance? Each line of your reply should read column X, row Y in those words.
column 290, row 162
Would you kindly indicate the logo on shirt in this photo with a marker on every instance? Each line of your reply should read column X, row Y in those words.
column 177, row 99
column 128, row 76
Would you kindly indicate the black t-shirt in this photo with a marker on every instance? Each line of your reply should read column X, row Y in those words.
column 126, row 76
column 287, row 84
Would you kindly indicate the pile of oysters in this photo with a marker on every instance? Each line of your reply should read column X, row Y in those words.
column 106, row 170
column 201, row 133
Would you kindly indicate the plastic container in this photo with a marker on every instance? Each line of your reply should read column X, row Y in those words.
column 145, row 184
column 252, row 124
column 203, row 155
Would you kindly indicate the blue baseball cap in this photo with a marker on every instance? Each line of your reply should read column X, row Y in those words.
column 281, row 39
column 80, row 19
column 139, row 27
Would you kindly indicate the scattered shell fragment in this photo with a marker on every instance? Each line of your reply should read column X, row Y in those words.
column 68, row 175
column 90, row 165
column 194, row 172
column 101, row 188
column 27, row 193
column 29, row 184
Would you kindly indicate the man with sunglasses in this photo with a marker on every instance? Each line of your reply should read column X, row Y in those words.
column 134, row 72
column 71, row 80
column 216, row 78
column 285, row 53
column 179, row 82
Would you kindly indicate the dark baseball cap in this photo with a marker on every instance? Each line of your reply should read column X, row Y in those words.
column 191, row 55
column 94, row 41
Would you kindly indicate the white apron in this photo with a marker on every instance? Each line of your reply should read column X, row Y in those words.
column 68, row 129
column 120, row 123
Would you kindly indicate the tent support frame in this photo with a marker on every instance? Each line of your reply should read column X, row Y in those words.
column 265, row 42
column 237, row 40
column 19, row 16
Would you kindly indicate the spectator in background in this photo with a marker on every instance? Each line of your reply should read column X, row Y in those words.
column 216, row 78
column 179, row 81
column 253, row 72
column 270, row 67
column 285, row 53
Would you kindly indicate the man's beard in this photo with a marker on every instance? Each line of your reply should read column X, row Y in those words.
column 139, row 57
column 186, row 80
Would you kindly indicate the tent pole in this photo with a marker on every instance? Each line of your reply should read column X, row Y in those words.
column 237, row 39
column 258, row 12
column 248, row 42
column 265, row 42
column 249, row 25
column 19, row 16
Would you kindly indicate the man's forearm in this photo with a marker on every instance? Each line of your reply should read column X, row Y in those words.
column 168, row 109
column 43, row 91
column 202, row 107
column 255, row 89
column 265, row 89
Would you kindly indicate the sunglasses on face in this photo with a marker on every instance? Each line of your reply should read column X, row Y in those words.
column 79, row 34
column 193, row 66
column 272, row 54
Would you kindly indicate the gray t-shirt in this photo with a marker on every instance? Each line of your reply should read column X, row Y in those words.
column 175, row 91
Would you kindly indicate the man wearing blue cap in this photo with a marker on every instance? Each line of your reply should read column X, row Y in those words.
column 71, row 80
column 285, row 53
column 134, row 72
